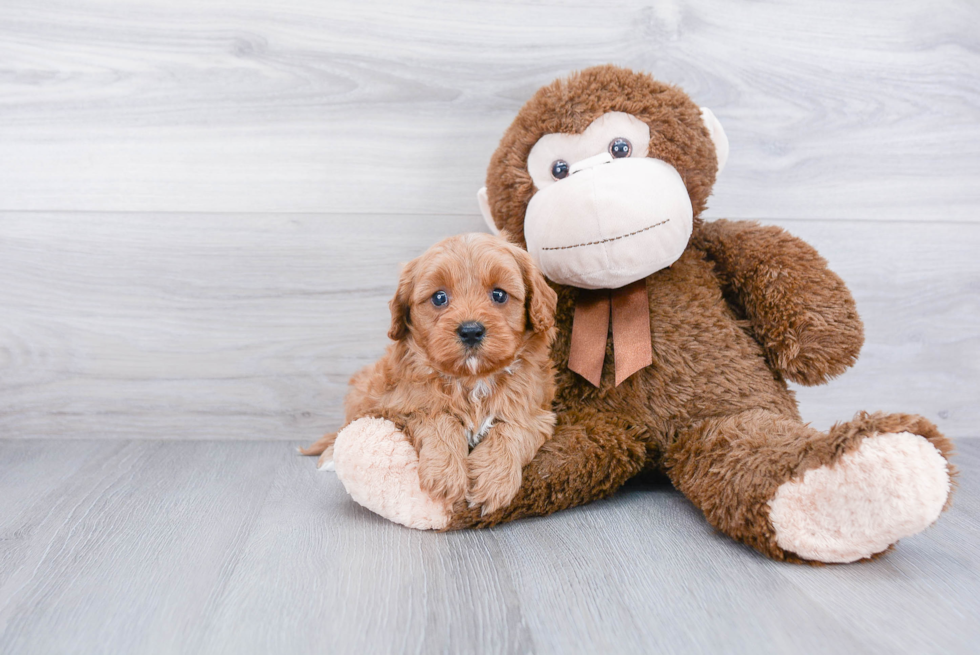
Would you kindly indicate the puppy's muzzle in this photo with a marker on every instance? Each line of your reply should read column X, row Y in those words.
column 471, row 333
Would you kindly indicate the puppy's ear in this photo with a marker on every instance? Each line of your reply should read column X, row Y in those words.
column 400, row 304
column 540, row 299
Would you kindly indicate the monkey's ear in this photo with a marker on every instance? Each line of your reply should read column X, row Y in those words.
column 481, row 197
column 400, row 304
column 540, row 300
column 718, row 136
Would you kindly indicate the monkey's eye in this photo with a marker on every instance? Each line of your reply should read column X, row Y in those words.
column 620, row 148
column 559, row 170
column 440, row 299
column 499, row 296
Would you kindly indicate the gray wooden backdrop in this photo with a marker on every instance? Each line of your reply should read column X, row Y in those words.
column 203, row 204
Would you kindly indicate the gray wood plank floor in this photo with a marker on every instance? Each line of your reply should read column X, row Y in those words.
column 242, row 547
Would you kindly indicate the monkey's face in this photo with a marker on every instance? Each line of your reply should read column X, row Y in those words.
column 605, row 214
column 607, row 202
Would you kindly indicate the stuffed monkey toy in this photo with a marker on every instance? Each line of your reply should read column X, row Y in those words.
column 675, row 340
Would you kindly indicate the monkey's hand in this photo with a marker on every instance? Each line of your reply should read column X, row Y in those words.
column 800, row 311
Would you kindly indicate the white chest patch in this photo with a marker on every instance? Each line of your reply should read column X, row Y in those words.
column 481, row 390
column 474, row 437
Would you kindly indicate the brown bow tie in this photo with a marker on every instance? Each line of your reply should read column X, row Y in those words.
column 632, row 342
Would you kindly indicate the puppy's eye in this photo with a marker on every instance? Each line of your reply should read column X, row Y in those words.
column 559, row 170
column 499, row 296
column 620, row 148
column 440, row 299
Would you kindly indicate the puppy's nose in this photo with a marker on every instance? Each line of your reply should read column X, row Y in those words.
column 471, row 333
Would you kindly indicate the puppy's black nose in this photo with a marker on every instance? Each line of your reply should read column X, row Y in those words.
column 471, row 333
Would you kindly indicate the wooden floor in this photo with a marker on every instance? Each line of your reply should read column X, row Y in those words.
column 243, row 547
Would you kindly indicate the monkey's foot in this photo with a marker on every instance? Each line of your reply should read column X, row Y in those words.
column 892, row 486
column 379, row 468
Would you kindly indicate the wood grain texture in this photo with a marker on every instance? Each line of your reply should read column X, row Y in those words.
column 249, row 326
column 835, row 110
column 113, row 546
column 242, row 547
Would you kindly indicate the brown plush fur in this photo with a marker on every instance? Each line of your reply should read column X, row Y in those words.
column 744, row 308
column 438, row 389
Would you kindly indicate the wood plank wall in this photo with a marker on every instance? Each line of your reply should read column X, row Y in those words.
column 203, row 204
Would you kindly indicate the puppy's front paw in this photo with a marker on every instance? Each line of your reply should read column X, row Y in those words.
column 494, row 480
column 442, row 474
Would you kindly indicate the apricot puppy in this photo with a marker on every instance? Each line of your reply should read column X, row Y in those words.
column 469, row 378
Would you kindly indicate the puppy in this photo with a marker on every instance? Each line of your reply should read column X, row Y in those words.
column 469, row 378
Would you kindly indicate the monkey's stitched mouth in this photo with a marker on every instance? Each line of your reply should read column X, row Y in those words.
column 622, row 236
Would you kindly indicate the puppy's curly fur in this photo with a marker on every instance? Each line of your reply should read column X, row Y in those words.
column 476, row 413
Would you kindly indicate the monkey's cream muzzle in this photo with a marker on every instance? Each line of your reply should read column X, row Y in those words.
column 610, row 222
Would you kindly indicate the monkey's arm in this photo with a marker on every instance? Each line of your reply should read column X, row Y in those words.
column 590, row 456
column 801, row 312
